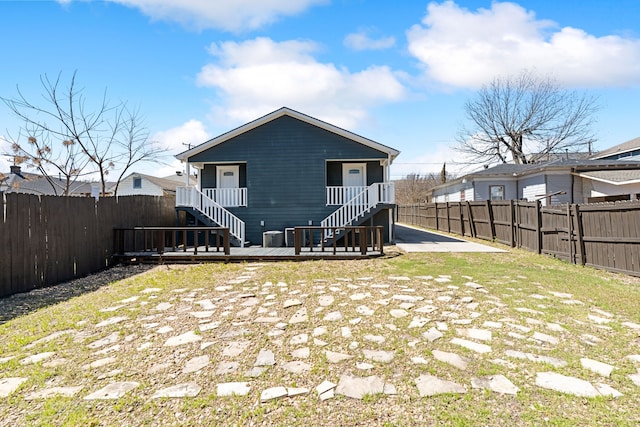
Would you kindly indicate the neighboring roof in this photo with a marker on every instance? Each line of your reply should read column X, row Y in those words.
column 570, row 165
column 625, row 147
column 615, row 177
column 168, row 183
column 30, row 183
column 284, row 111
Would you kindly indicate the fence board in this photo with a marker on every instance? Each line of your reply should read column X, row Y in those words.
column 49, row 239
column 603, row 235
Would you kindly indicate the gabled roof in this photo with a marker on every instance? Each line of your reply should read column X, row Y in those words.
column 625, row 147
column 284, row 111
column 166, row 184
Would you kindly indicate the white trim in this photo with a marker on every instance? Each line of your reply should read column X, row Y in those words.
column 606, row 181
column 284, row 111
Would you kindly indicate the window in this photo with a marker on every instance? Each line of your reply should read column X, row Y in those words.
column 497, row 192
column 137, row 182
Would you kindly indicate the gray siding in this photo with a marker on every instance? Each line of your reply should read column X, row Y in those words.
column 286, row 172
column 562, row 183
column 482, row 189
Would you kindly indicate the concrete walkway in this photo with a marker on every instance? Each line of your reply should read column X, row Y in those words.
column 413, row 239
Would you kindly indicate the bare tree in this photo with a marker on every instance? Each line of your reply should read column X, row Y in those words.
column 524, row 118
column 414, row 188
column 99, row 139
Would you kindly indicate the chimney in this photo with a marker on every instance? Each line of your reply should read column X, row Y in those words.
column 15, row 169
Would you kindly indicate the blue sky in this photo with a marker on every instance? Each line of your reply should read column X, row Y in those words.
column 396, row 72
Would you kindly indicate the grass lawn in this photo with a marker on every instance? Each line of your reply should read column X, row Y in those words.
column 593, row 314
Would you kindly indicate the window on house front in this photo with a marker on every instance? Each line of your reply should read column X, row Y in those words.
column 497, row 192
column 137, row 182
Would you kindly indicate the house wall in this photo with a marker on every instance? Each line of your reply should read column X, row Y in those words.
column 592, row 188
column 453, row 193
column 482, row 191
column 286, row 172
column 125, row 188
column 208, row 176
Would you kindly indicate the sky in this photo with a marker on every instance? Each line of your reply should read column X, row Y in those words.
column 398, row 73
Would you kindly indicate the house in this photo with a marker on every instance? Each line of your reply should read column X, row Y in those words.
column 556, row 182
column 288, row 169
column 141, row 184
column 17, row 181
column 626, row 151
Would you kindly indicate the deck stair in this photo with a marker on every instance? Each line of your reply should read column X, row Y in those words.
column 207, row 211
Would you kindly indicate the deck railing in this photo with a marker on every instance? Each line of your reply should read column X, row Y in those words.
column 227, row 197
column 354, row 238
column 158, row 239
column 195, row 199
column 368, row 198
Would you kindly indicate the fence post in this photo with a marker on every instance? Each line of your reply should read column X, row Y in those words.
column 579, row 230
column 472, row 225
column 539, row 226
column 492, row 225
column 437, row 217
column 572, row 259
column 512, row 220
column 461, row 219
column 448, row 217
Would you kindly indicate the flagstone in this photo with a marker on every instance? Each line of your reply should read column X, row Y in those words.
column 36, row 358
column 291, row 303
column 6, row 359
column 497, row 383
column 232, row 388
column 599, row 320
column 150, row 290
column 273, row 393
column 255, row 372
column 111, row 321
column 113, row 391
column 267, row 319
column 555, row 362
column 539, row 336
column 100, row 363
column 163, row 306
column 631, row 325
column 299, row 339
column 375, row 338
column 600, row 368
column 589, row 339
column 357, row 387
column 325, row 386
column 319, row 342
column 299, row 316
column 432, row 334
column 301, row 353
column 398, row 313
column 426, row 309
column 265, row 358
column 451, row 358
column 189, row 389
column 429, row 385
column 112, row 349
column 227, row 367
column 364, row 366
column 296, row 391
column 195, row 364
column 470, row 345
column 326, row 300
column 633, row 357
column 474, row 333
column 607, row 390
column 418, row 322
column 566, row 384
column 380, row 356
column 54, row 392
column 333, row 316
column 520, row 328
column 364, row 310
column 335, row 357
column 9, row 385
column 345, row 332
column 635, row 378
column 319, row 331
column 49, row 338
column 186, row 338
column 296, row 367
column 491, row 324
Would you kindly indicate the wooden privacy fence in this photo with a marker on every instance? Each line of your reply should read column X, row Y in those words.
column 603, row 235
column 50, row 239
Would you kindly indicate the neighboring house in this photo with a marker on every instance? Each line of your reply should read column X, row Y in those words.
column 141, row 184
column 17, row 181
column 627, row 151
column 287, row 169
column 560, row 181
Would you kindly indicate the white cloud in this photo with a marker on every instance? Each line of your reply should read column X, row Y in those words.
column 258, row 76
column 362, row 41
column 191, row 133
column 229, row 15
column 463, row 48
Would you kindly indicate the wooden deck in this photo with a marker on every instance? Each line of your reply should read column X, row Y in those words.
column 240, row 254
